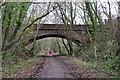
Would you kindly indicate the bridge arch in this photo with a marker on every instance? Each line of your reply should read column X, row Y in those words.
column 78, row 34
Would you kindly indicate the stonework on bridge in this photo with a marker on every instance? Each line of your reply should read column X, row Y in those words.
column 78, row 34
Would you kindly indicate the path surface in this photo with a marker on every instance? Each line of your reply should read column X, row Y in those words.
column 53, row 68
column 56, row 67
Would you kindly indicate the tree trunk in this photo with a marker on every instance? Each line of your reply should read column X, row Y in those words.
column 59, row 48
column 118, row 31
column 65, row 46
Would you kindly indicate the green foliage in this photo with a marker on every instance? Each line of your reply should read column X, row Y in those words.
column 85, row 64
column 106, row 51
column 64, row 52
column 13, row 15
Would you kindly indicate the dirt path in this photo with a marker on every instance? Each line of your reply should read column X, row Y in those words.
column 53, row 68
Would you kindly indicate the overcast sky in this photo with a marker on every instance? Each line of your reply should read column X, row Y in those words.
column 114, row 11
column 114, row 7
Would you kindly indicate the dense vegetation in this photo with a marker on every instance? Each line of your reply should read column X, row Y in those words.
column 17, row 27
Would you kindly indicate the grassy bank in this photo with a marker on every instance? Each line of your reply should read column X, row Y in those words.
column 21, row 68
column 102, row 69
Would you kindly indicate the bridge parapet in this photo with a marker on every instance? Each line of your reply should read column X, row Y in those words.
column 59, row 27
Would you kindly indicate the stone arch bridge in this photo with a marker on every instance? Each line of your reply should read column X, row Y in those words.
column 78, row 34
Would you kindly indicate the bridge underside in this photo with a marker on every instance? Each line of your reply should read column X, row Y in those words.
column 55, row 35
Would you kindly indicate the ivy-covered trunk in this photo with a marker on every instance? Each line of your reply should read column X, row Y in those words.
column 13, row 15
column 91, row 21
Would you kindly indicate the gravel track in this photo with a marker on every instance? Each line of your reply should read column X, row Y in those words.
column 53, row 68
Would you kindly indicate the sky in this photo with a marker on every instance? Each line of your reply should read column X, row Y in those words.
column 114, row 11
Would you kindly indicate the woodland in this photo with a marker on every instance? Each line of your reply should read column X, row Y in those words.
column 103, row 27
